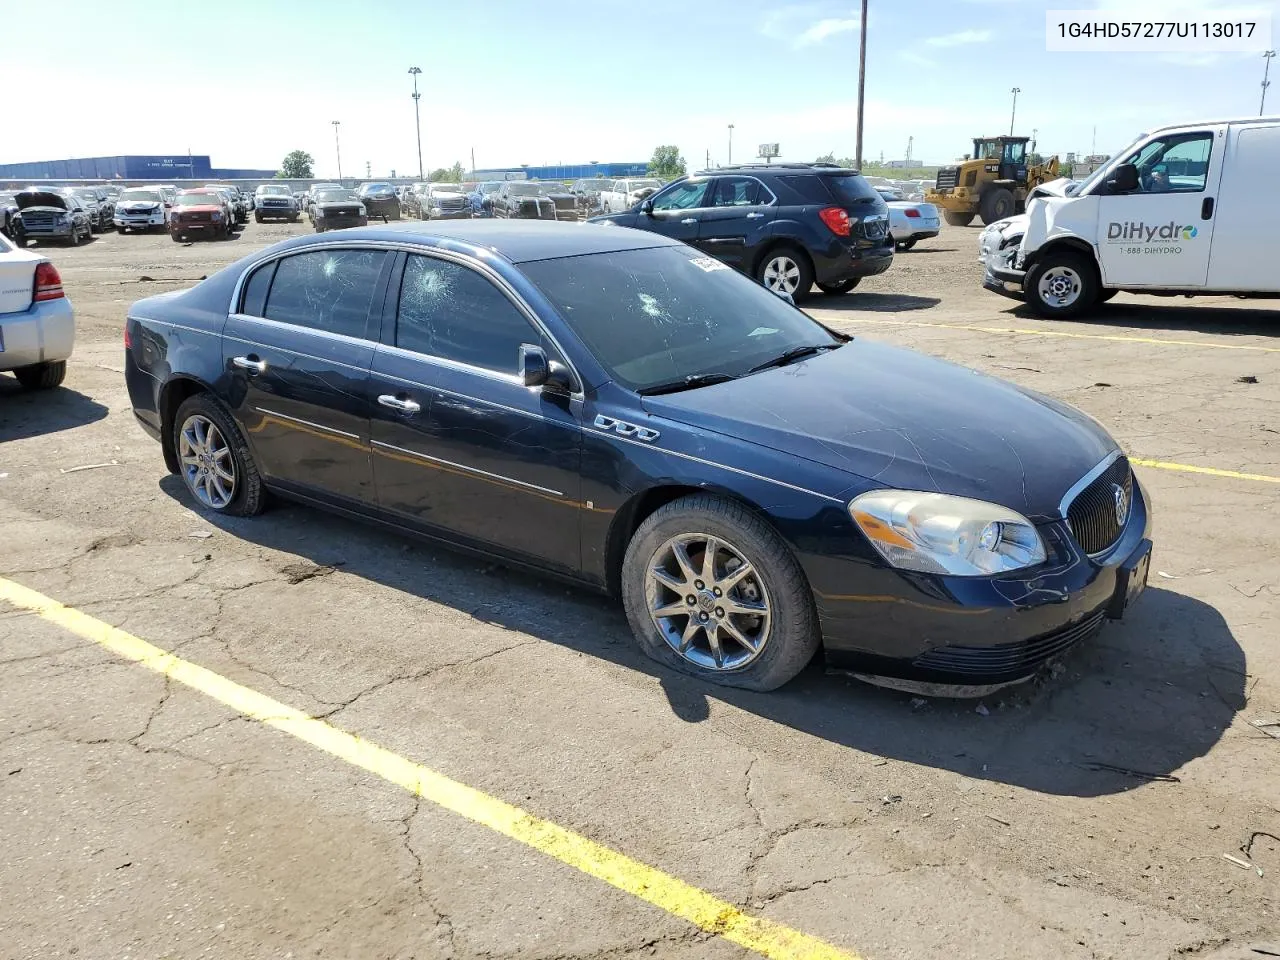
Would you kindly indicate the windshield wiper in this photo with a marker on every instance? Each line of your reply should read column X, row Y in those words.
column 795, row 353
column 687, row 383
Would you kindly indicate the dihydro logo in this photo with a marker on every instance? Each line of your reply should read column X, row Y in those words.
column 1135, row 231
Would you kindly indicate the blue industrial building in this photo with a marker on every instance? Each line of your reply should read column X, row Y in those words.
column 156, row 168
column 559, row 171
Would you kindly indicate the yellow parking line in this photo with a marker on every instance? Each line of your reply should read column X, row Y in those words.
column 704, row 910
column 1062, row 333
column 1208, row 471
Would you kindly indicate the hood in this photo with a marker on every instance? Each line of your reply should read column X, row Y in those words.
column 28, row 199
column 901, row 419
column 1054, row 188
column 1010, row 226
column 379, row 195
column 139, row 204
column 213, row 206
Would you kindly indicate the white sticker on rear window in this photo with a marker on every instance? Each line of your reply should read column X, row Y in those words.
column 708, row 264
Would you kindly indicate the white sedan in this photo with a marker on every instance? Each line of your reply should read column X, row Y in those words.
column 37, row 324
column 910, row 222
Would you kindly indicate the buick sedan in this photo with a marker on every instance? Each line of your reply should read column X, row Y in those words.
column 611, row 407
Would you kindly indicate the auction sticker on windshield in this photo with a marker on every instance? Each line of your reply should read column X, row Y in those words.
column 708, row 264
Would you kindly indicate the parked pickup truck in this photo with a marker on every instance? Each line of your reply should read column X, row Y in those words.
column 37, row 324
column 621, row 195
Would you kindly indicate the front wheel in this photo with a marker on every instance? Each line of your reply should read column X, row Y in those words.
column 42, row 376
column 957, row 219
column 844, row 286
column 214, row 460
column 1061, row 285
column 713, row 591
column 785, row 270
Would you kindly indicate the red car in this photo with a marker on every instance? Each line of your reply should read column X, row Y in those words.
column 200, row 213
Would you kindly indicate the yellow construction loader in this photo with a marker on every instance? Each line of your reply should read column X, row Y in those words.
column 993, row 183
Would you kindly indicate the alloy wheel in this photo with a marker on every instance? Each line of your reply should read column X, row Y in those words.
column 708, row 602
column 207, row 464
column 1060, row 286
column 782, row 275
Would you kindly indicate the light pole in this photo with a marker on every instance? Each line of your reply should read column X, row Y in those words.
column 1268, row 57
column 417, row 118
column 1016, row 91
column 862, row 80
column 731, row 144
column 336, row 147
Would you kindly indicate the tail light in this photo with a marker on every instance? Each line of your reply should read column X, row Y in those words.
column 912, row 214
column 48, row 285
column 128, row 340
column 836, row 219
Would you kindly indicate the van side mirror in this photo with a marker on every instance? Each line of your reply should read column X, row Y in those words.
column 1123, row 179
column 536, row 370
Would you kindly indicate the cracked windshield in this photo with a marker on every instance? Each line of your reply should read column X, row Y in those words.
column 482, row 485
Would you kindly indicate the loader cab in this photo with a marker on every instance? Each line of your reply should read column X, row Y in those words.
column 1006, row 157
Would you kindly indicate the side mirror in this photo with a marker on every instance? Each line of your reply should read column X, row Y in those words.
column 646, row 207
column 1123, row 179
column 536, row 370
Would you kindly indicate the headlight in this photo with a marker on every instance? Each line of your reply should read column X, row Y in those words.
column 363, row 211
column 936, row 533
column 217, row 215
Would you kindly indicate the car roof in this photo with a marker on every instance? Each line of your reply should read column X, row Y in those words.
column 516, row 240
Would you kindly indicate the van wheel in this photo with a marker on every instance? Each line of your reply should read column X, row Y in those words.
column 957, row 219
column 710, row 589
column 1061, row 285
column 996, row 205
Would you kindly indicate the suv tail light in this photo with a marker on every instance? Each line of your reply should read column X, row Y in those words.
column 48, row 285
column 836, row 219
column 912, row 213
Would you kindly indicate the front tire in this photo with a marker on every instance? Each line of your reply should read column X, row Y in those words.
column 42, row 376
column 214, row 461
column 844, row 286
column 996, row 205
column 785, row 270
column 1062, row 285
column 710, row 589
column 957, row 219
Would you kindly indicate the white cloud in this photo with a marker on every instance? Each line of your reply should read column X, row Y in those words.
column 959, row 38
column 822, row 29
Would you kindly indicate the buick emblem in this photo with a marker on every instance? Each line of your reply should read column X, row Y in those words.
column 1122, row 503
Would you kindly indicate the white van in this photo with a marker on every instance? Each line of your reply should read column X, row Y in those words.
column 1180, row 211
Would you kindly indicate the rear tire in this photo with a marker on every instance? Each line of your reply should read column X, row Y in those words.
column 996, row 205
column 1061, row 285
column 1106, row 294
column 907, row 244
column 957, row 219
column 776, row 585
column 42, row 376
column 844, row 286
column 785, row 269
column 248, row 495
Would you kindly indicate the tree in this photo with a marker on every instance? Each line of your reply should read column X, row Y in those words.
column 826, row 158
column 297, row 166
column 447, row 174
column 667, row 162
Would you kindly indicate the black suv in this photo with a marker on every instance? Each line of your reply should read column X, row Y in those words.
column 786, row 225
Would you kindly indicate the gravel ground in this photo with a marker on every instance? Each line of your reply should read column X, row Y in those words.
column 1086, row 816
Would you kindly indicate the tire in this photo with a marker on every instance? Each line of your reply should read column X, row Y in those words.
column 957, row 219
column 74, row 239
column 789, row 638
column 42, row 376
column 907, row 244
column 257, row 217
column 996, row 205
column 247, row 496
column 1106, row 294
column 176, row 237
column 844, row 286
column 785, row 268
column 1061, row 285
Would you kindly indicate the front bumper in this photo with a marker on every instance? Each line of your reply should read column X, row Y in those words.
column 463, row 214
column 141, row 221
column 59, row 232
column 925, row 233
column 973, row 631
column 382, row 208
column 275, row 213
column 1003, row 279
column 44, row 332
column 339, row 223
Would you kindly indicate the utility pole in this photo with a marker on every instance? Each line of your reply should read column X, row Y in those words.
column 707, row 166
column 731, row 144
column 1014, row 114
column 862, row 80
column 910, row 141
column 1268, row 57
column 473, row 163
column 368, row 170
column 1033, row 139
column 417, row 117
column 336, row 146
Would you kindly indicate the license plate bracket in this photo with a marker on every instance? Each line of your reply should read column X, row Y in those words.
column 1131, row 580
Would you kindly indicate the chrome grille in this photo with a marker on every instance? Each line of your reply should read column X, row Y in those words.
column 1093, row 517
column 37, row 219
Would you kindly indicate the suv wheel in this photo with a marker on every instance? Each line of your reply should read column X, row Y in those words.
column 844, row 286
column 710, row 589
column 785, row 270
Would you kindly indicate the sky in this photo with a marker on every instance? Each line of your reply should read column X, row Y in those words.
column 567, row 81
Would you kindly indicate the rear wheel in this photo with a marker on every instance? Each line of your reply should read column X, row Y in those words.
column 42, row 376
column 711, row 590
column 1061, row 285
column 1106, row 294
column 785, row 270
column 214, row 460
column 907, row 244
column 957, row 219
column 996, row 204
column 844, row 286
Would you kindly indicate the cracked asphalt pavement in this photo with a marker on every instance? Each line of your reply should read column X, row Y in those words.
column 1088, row 815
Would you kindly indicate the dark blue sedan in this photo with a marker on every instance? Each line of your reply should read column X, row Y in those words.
column 614, row 408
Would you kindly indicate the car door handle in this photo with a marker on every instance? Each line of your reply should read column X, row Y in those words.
column 755, row 216
column 687, row 220
column 250, row 363
column 395, row 403
column 1206, row 209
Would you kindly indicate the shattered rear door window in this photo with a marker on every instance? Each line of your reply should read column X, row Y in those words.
column 329, row 290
